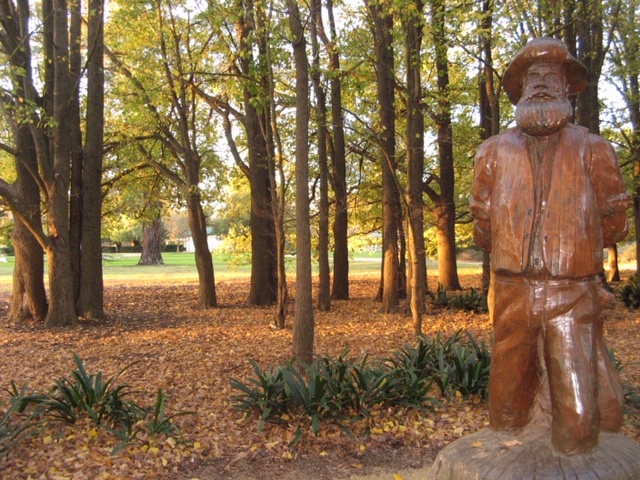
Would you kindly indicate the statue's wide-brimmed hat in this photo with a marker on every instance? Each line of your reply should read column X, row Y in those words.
column 543, row 49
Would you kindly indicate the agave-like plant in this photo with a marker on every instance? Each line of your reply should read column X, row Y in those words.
column 630, row 293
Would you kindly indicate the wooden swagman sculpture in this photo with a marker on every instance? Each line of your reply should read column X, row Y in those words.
column 547, row 197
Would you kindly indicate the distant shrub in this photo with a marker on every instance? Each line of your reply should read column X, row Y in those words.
column 439, row 298
column 471, row 301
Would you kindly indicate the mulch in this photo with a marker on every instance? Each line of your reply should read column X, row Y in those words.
column 191, row 354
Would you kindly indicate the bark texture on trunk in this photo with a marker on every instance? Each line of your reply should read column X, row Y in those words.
column 264, row 281
column 303, row 326
column 29, row 297
column 340, row 286
column 415, row 167
column 489, row 103
column 324, row 273
column 62, row 310
column 614, row 271
column 91, row 300
column 390, row 285
column 204, row 261
column 445, row 206
column 152, row 243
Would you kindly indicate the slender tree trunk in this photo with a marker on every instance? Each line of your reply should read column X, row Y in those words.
column 589, row 38
column 614, row 271
column 636, row 214
column 91, row 301
column 627, row 52
column 415, row 167
column 382, row 29
column 636, row 206
column 62, row 310
column 303, row 327
column 489, row 104
column 277, row 190
column 445, row 207
column 591, row 54
column 75, row 201
column 340, row 286
column 152, row 243
column 204, row 261
column 278, row 203
column 324, row 291
column 402, row 238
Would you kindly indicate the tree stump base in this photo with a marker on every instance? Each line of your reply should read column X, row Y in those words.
column 530, row 455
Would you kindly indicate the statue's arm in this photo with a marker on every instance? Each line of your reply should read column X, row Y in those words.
column 480, row 204
column 607, row 180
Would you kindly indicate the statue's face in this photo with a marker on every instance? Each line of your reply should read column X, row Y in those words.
column 543, row 82
column 544, row 106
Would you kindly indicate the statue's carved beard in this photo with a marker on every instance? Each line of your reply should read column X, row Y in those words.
column 541, row 117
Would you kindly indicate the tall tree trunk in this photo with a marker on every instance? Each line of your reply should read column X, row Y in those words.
column 636, row 212
column 445, row 208
column 263, row 256
column 591, row 54
column 383, row 37
column 277, row 190
column 278, row 204
column 152, row 243
column 626, row 51
column 32, row 150
column 324, row 291
column 62, row 310
column 29, row 296
column 51, row 140
column 402, row 246
column 204, row 261
column 415, row 166
column 75, row 201
column 489, row 104
column 91, row 301
column 590, row 51
column 263, row 288
column 340, row 286
column 303, row 327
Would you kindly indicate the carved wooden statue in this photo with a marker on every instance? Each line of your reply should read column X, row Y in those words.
column 547, row 197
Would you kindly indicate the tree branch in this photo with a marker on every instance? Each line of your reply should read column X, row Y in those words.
column 9, row 194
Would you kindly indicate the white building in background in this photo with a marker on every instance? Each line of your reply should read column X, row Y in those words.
column 213, row 241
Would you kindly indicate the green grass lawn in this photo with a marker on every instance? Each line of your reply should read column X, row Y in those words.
column 123, row 267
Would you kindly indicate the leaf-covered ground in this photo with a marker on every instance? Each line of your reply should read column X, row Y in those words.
column 191, row 354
